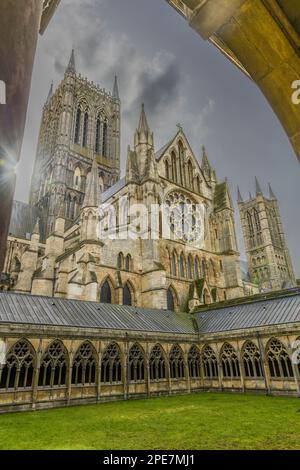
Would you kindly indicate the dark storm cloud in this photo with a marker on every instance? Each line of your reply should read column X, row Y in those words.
column 160, row 91
column 162, row 62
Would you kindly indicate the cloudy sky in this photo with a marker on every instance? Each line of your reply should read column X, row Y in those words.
column 160, row 61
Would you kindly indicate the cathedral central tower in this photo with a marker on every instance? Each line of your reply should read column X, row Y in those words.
column 80, row 123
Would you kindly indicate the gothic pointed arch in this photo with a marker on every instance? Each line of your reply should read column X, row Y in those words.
column 107, row 291
column 111, row 365
column 176, row 360
column 54, row 366
column 158, row 363
column 278, row 359
column 136, row 363
column 229, row 362
column 120, row 261
column 210, row 362
column 128, row 294
column 194, row 362
column 251, row 359
column 84, row 366
column 172, row 299
column 18, row 370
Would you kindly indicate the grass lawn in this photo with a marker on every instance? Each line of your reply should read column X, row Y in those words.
column 200, row 421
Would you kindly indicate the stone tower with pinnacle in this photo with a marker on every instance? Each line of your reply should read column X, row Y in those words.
column 80, row 123
column 267, row 252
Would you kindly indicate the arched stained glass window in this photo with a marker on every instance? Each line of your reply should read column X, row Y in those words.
column 127, row 296
column 98, row 136
column 182, row 265
column 85, row 130
column 170, row 300
column 128, row 262
column 105, row 140
column 77, row 126
column 106, row 296
column 190, row 267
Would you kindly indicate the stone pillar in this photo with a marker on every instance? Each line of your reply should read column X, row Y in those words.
column 19, row 27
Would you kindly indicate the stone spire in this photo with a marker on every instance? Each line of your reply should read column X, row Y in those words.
column 143, row 123
column 92, row 196
column 271, row 193
column 239, row 197
column 71, row 67
column 143, row 134
column 258, row 187
column 50, row 94
column 205, row 165
column 116, row 89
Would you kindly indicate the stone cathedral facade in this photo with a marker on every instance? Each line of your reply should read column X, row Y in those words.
column 90, row 314
column 54, row 248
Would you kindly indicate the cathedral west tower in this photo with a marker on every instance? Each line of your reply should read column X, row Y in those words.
column 267, row 252
column 80, row 122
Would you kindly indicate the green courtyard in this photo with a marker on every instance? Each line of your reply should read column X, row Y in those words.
column 199, row 421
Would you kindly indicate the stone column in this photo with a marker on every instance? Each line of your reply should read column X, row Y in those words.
column 19, row 27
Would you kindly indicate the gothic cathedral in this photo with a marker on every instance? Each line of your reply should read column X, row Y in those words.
column 54, row 247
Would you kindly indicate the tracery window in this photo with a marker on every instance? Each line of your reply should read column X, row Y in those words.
column 176, row 363
column 182, row 265
column 77, row 126
column 252, row 360
column 189, row 267
column 136, row 364
column 84, row 366
column 181, row 160
column 229, row 361
column 157, row 364
column 194, row 362
column 53, row 370
column 257, row 220
column 128, row 262
column 85, row 129
column 174, row 264
column 77, row 178
column 98, row 135
column 279, row 362
column 127, row 296
column 105, row 140
column 174, row 167
column 106, row 295
column 18, row 371
column 210, row 363
column 170, row 300
column 196, row 266
column 183, row 217
column 120, row 262
column 190, row 175
column 167, row 172
column 111, row 370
